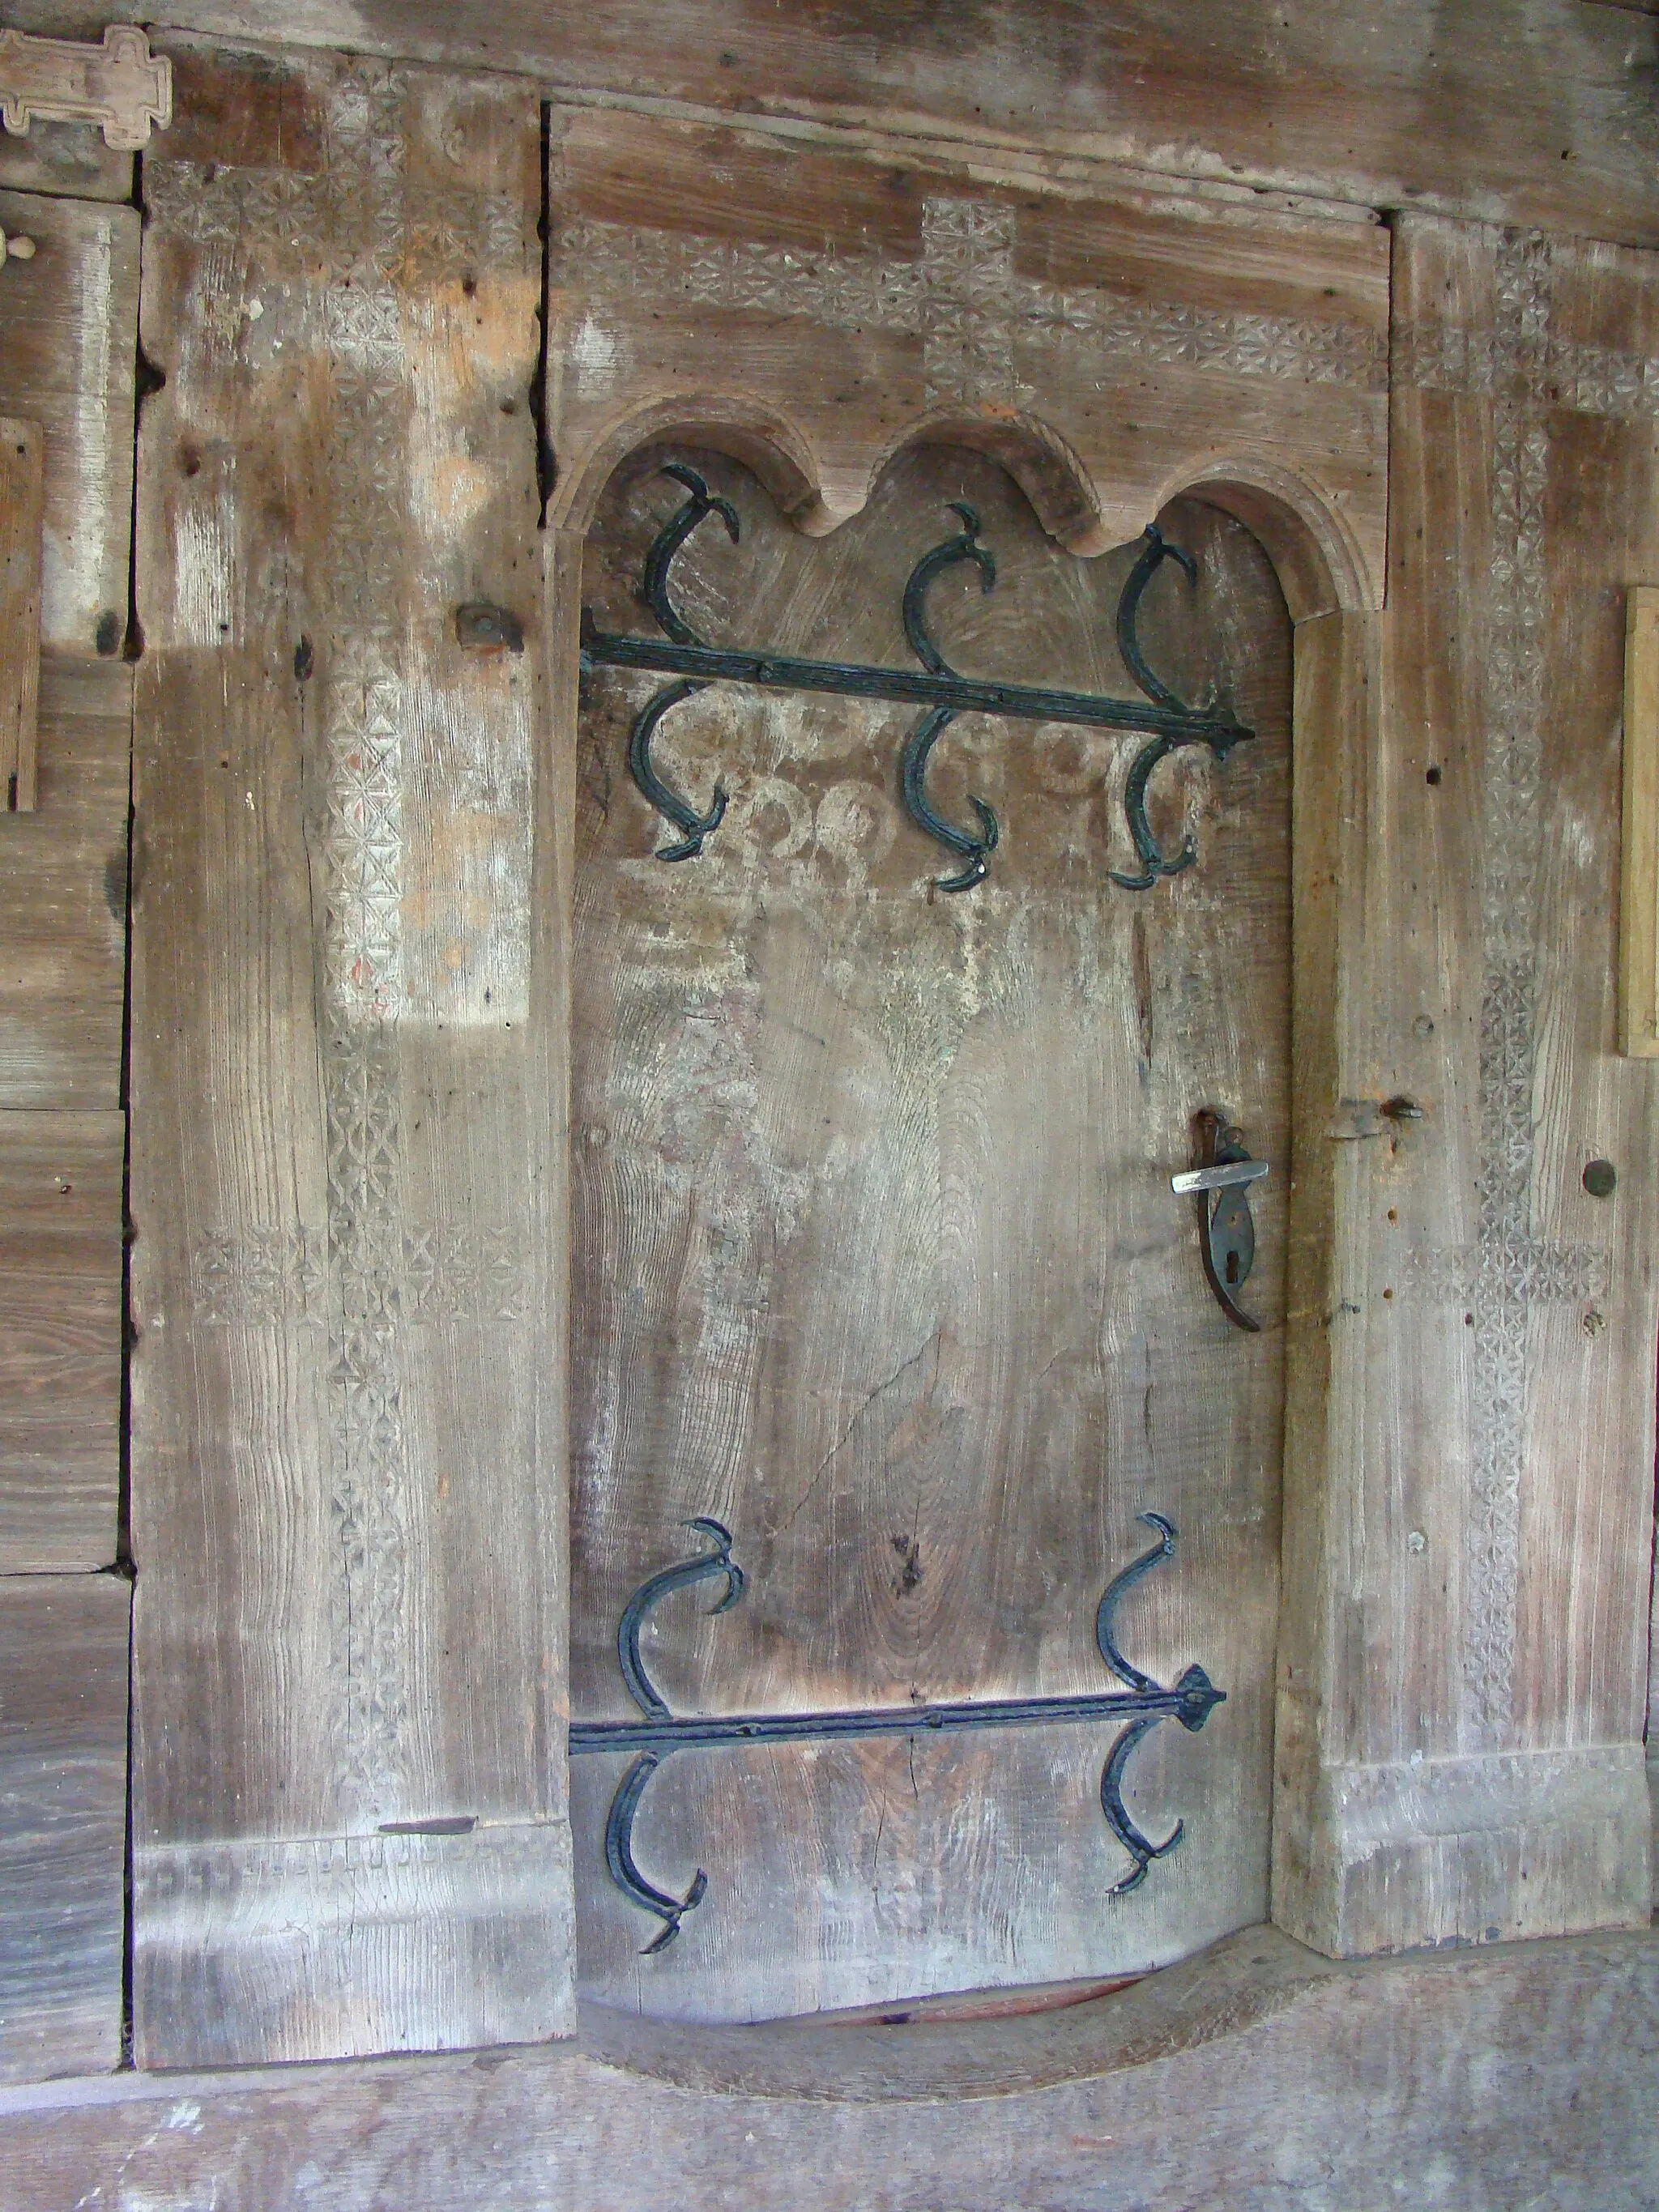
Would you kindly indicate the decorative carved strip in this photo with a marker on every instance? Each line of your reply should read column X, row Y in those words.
column 965, row 301
column 119, row 85
column 1512, row 827
column 1541, row 1274
column 438, row 230
column 270, row 1277
column 1529, row 366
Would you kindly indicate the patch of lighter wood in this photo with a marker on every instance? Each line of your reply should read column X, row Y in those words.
column 1639, row 912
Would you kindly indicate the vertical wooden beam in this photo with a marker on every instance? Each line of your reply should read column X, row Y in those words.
column 1335, row 746
column 1461, row 1713
column 348, row 1509
column 22, row 486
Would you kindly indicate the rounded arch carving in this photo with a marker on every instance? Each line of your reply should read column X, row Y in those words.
column 1043, row 463
column 819, row 499
column 1320, row 564
column 767, row 442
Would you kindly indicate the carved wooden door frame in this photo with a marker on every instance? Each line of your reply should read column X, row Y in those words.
column 1307, row 483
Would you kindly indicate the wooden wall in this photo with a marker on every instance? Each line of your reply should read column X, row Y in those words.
column 68, row 338
column 1469, row 1464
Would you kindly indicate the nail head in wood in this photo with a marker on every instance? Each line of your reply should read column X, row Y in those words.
column 482, row 628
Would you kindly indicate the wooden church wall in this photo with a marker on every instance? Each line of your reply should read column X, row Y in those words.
column 354, row 859
column 1540, row 114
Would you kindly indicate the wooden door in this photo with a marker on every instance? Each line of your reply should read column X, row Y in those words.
column 875, row 1261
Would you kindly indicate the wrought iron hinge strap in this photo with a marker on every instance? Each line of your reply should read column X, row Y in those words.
column 1141, row 1706
column 965, row 695
column 1161, row 717
column 685, row 1735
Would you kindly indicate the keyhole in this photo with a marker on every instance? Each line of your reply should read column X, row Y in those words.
column 1232, row 1271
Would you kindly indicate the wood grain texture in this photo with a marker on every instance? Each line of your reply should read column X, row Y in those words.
column 348, row 1473
column 69, row 160
column 62, row 1822
column 21, row 492
column 63, row 893
column 1537, row 115
column 60, row 1339
column 68, row 321
column 1638, row 892
column 1254, row 2079
column 875, row 1257
column 812, row 314
column 1478, row 1703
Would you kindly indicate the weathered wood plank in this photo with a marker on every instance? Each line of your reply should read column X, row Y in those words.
column 21, row 493
column 875, row 1260
column 69, row 160
column 60, row 1339
column 1546, row 121
column 62, row 1822
column 68, row 321
column 1254, row 2076
column 347, row 1469
column 64, row 896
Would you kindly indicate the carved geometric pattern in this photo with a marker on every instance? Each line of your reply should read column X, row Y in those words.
column 1584, row 379
column 970, row 300
column 356, row 234
column 966, row 302
column 267, row 1277
column 1541, row 1274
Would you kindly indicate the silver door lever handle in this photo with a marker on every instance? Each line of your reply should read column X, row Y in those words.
column 1221, row 1177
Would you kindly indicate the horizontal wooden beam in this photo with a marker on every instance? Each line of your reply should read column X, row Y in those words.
column 1407, row 104
column 1253, row 2074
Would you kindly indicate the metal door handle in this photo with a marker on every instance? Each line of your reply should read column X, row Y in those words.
column 1221, row 1184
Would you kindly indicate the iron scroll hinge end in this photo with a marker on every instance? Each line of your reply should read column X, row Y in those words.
column 693, row 827
column 619, row 1821
column 975, row 852
column 1194, row 1698
column 654, row 594
column 1200, row 725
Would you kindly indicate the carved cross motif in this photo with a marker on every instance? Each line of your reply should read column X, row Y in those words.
column 120, row 85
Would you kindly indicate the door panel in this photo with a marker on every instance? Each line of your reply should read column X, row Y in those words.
column 875, row 1258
